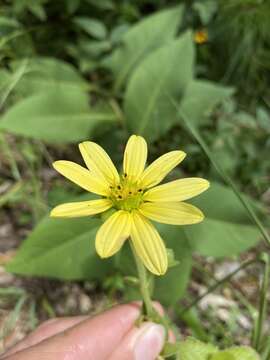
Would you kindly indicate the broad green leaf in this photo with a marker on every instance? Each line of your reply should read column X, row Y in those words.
column 192, row 349
column 224, row 355
column 226, row 229
column 170, row 349
column 94, row 48
column 205, row 10
column 91, row 26
column 172, row 286
column 220, row 202
column 221, row 238
column 44, row 74
column 164, row 74
column 10, row 81
column 57, row 116
column 243, row 353
column 61, row 248
column 200, row 99
column 149, row 34
column 4, row 79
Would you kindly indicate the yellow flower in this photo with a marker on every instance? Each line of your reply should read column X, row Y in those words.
column 201, row 36
column 135, row 197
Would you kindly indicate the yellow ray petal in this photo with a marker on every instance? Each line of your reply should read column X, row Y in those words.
column 157, row 171
column 177, row 190
column 148, row 244
column 82, row 208
column 98, row 161
column 81, row 176
column 112, row 234
column 135, row 157
column 172, row 213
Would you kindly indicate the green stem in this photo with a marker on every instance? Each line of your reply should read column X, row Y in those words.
column 226, row 177
column 219, row 283
column 12, row 161
column 193, row 131
column 144, row 284
column 262, row 305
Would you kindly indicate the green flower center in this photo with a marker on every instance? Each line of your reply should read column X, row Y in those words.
column 126, row 195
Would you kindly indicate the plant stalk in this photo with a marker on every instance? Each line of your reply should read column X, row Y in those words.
column 144, row 285
column 258, row 332
column 227, row 178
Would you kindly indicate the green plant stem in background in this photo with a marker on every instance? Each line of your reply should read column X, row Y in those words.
column 14, row 81
column 219, row 283
column 10, row 193
column 223, row 175
column 258, row 329
column 12, row 161
column 144, row 285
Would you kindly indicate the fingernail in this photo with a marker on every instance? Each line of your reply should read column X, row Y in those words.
column 150, row 341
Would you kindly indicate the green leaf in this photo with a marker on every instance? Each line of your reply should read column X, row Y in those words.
column 229, row 208
column 172, row 286
column 192, row 349
column 224, row 355
column 38, row 10
column 200, row 99
column 58, row 116
column 61, row 248
column 94, row 48
column 149, row 34
column 263, row 118
column 193, row 321
column 205, row 10
column 91, row 26
column 72, row 6
column 171, row 349
column 226, row 229
column 34, row 6
column 102, row 4
column 44, row 74
column 221, row 238
column 243, row 353
column 171, row 258
column 7, row 25
column 4, row 79
column 158, row 78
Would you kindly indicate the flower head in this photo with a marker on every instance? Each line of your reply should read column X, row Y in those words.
column 201, row 36
column 134, row 196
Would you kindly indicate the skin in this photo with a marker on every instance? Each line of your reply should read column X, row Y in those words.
column 111, row 335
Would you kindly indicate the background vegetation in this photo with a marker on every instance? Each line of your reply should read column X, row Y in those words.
column 192, row 75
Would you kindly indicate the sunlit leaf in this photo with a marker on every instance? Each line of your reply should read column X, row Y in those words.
column 145, row 36
column 56, row 116
column 163, row 74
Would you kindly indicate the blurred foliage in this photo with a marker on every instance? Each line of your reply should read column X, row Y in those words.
column 71, row 70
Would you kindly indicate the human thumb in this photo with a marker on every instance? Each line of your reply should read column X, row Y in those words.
column 141, row 343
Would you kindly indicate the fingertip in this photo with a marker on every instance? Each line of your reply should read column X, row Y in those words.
column 171, row 337
column 141, row 343
column 159, row 308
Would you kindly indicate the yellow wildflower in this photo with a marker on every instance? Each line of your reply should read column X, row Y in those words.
column 201, row 36
column 135, row 197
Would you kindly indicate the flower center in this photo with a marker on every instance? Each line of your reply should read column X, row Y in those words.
column 126, row 195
